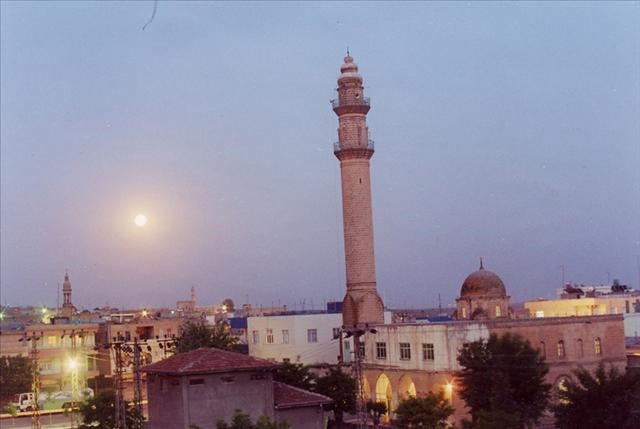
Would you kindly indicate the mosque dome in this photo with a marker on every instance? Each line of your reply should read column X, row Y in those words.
column 483, row 283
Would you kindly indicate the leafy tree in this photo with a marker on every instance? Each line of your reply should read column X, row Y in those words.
column 604, row 399
column 241, row 420
column 503, row 376
column 99, row 412
column 495, row 419
column 295, row 374
column 15, row 375
column 429, row 412
column 196, row 335
column 341, row 387
column 377, row 410
column 229, row 305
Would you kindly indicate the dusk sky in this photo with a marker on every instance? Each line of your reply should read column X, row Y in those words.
column 508, row 131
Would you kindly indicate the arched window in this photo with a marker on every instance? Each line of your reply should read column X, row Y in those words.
column 464, row 312
column 597, row 346
column 560, row 349
column 498, row 312
column 543, row 350
column 580, row 348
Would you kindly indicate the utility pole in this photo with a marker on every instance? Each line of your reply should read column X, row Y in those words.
column 137, row 385
column 358, row 370
column 35, row 377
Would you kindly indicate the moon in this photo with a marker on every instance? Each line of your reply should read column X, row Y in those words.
column 140, row 220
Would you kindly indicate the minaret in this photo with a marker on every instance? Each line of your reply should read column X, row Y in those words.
column 361, row 304
column 67, row 306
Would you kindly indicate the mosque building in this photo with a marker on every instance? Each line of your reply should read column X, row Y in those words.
column 399, row 360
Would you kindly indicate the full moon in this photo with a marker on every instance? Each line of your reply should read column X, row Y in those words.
column 140, row 220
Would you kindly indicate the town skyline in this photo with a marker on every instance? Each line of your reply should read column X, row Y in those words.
column 507, row 132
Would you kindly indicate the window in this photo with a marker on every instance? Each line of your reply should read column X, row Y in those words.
column 196, row 382
column 498, row 311
column 286, row 360
column 540, row 313
column 255, row 335
column 381, row 351
column 428, row 352
column 580, row 348
column 597, row 345
column 405, row 351
column 285, row 336
column 269, row 336
column 91, row 363
column 543, row 350
column 626, row 306
column 361, row 350
column 464, row 312
column 52, row 340
column 312, row 335
column 560, row 349
column 228, row 379
column 336, row 333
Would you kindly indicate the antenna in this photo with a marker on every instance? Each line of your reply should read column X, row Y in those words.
column 439, row 304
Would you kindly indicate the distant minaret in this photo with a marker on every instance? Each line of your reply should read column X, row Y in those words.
column 67, row 307
column 362, row 304
column 193, row 296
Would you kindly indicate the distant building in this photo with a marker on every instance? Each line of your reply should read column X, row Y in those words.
column 58, row 345
column 205, row 385
column 310, row 338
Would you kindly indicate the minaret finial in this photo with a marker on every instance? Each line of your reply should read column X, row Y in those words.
column 347, row 51
column 481, row 266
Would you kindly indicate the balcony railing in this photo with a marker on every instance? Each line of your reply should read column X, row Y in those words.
column 364, row 101
column 370, row 145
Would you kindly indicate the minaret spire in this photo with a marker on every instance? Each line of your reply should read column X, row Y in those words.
column 362, row 304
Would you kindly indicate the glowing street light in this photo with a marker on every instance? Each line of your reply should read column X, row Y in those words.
column 72, row 364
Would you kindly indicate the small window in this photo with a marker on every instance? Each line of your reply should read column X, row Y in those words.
column 597, row 346
column 361, row 350
column 543, row 350
column 228, row 379
column 560, row 349
column 312, row 335
column 540, row 313
column 428, row 352
column 269, row 336
column 285, row 336
column 405, row 351
column 336, row 333
column 196, row 381
column 464, row 312
column 498, row 311
column 286, row 360
column 255, row 336
column 381, row 351
column 580, row 348
column 258, row 376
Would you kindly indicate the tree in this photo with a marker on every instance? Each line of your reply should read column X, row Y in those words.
column 503, row 376
column 15, row 375
column 229, row 305
column 99, row 412
column 295, row 374
column 196, row 335
column 341, row 387
column 241, row 420
column 604, row 399
column 428, row 412
column 377, row 410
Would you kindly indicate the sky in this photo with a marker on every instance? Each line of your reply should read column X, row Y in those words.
column 507, row 131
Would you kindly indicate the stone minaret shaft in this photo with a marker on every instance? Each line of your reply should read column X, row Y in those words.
column 67, row 306
column 362, row 304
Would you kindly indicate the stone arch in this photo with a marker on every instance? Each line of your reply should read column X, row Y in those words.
column 560, row 385
column 366, row 389
column 406, row 388
column 384, row 392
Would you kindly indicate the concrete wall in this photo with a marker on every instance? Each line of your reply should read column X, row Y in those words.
column 177, row 402
column 298, row 349
column 302, row 418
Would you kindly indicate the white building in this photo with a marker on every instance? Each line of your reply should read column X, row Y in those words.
column 307, row 338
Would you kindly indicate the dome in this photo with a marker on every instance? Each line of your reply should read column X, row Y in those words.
column 483, row 283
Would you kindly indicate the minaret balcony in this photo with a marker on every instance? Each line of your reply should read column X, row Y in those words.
column 369, row 146
column 352, row 105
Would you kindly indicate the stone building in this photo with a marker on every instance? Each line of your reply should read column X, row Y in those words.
column 407, row 359
column 205, row 385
